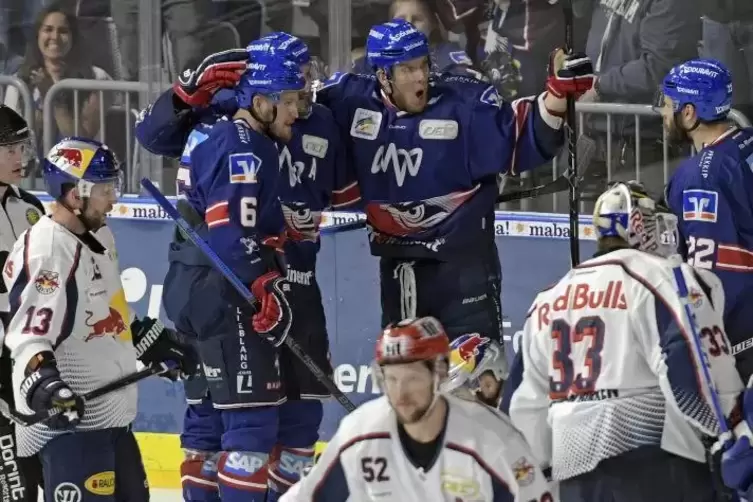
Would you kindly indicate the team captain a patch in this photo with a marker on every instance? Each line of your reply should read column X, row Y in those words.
column 244, row 167
column 700, row 205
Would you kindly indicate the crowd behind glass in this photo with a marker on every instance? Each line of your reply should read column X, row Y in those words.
column 633, row 44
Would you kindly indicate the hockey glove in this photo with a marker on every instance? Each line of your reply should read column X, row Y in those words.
column 219, row 70
column 274, row 316
column 43, row 389
column 569, row 75
column 155, row 344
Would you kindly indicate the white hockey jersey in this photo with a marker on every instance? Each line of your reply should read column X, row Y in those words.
column 484, row 459
column 66, row 297
column 20, row 210
column 610, row 363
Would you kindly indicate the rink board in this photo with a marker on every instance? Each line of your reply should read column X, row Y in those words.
column 533, row 248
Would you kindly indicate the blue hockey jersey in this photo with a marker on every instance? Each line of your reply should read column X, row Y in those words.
column 712, row 195
column 234, row 181
column 312, row 170
column 429, row 181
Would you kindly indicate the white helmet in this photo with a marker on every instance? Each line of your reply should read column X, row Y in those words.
column 626, row 211
column 471, row 356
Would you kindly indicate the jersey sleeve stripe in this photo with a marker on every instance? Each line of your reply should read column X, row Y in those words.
column 521, row 108
column 333, row 486
column 500, row 488
column 217, row 214
column 734, row 258
column 346, row 196
column 16, row 290
column 71, row 300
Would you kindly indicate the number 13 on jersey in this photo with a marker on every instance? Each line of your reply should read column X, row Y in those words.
column 575, row 375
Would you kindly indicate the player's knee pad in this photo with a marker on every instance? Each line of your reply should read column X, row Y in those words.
column 242, row 476
column 288, row 466
column 198, row 476
column 202, row 427
column 299, row 423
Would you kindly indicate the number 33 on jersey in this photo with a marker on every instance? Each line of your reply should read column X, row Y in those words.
column 606, row 348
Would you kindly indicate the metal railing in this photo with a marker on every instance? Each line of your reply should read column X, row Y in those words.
column 129, row 104
column 25, row 95
column 639, row 114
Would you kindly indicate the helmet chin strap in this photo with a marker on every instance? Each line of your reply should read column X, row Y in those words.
column 266, row 125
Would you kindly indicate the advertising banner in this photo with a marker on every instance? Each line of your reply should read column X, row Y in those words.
column 533, row 248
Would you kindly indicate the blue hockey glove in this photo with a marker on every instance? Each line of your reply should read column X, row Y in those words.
column 219, row 70
column 43, row 389
column 274, row 316
column 737, row 467
column 155, row 344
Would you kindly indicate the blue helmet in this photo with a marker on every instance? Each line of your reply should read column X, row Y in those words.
column 82, row 163
column 268, row 73
column 291, row 47
column 704, row 83
column 395, row 42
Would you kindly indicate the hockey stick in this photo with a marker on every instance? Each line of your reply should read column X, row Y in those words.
column 33, row 418
column 682, row 289
column 241, row 288
column 586, row 148
column 572, row 174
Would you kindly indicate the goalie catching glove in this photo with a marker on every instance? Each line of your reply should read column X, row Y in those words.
column 155, row 344
column 43, row 389
column 218, row 71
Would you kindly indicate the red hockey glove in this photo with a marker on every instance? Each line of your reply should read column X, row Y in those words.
column 274, row 317
column 219, row 70
column 569, row 75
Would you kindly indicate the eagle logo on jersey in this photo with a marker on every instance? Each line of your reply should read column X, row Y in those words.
column 111, row 325
column 47, row 282
column 406, row 218
column 302, row 222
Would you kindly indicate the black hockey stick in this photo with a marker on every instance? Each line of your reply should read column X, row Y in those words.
column 34, row 418
column 586, row 149
column 572, row 174
column 242, row 290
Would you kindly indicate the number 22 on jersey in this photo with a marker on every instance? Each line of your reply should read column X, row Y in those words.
column 575, row 375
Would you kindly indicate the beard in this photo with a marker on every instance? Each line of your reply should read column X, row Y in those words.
column 675, row 134
column 92, row 222
column 413, row 416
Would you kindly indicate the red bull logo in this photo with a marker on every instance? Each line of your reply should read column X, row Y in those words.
column 71, row 156
column 464, row 354
column 111, row 325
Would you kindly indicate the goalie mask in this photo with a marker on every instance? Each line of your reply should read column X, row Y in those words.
column 627, row 212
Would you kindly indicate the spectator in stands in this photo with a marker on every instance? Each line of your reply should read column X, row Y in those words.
column 634, row 43
column 181, row 20
column 728, row 37
column 9, row 61
column 56, row 54
column 448, row 56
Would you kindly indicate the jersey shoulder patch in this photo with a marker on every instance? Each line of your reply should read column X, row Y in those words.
column 31, row 199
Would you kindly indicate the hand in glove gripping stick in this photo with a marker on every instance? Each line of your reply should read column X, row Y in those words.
column 737, row 459
column 217, row 71
column 44, row 389
column 274, row 316
column 155, row 344
column 569, row 75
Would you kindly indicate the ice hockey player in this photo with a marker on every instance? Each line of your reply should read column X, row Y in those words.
column 613, row 395
column 477, row 368
column 310, row 161
column 70, row 332
column 234, row 178
column 22, row 210
column 711, row 192
column 415, row 443
column 737, row 460
column 427, row 153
